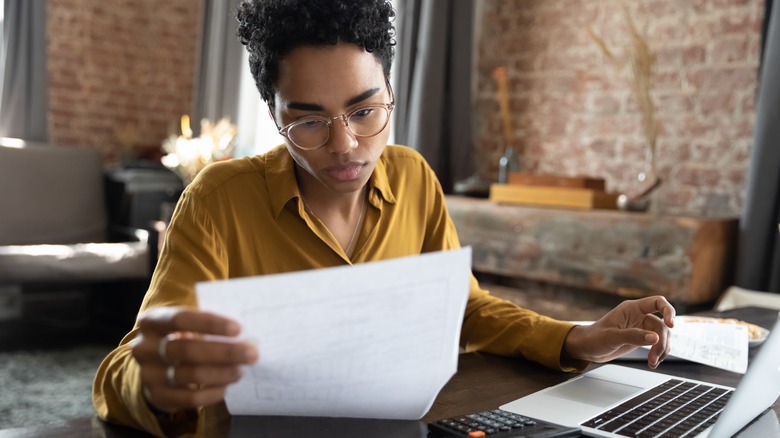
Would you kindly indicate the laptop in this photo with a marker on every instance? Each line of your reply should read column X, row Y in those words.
column 618, row 401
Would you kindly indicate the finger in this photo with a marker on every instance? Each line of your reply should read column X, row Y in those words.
column 191, row 349
column 667, row 348
column 656, row 356
column 171, row 399
column 637, row 337
column 666, row 341
column 151, row 348
column 657, row 304
column 196, row 351
column 185, row 376
column 145, row 349
column 669, row 314
column 164, row 320
column 660, row 349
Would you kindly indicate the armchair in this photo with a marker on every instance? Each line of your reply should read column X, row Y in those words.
column 56, row 242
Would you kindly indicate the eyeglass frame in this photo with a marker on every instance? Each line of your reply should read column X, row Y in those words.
column 284, row 130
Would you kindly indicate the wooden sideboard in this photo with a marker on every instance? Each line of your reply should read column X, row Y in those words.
column 687, row 259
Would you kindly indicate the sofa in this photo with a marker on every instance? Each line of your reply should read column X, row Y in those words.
column 56, row 241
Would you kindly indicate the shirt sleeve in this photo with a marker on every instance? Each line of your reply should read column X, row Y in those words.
column 192, row 252
column 492, row 324
column 497, row 326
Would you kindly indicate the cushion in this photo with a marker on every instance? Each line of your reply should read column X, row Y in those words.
column 79, row 262
column 51, row 195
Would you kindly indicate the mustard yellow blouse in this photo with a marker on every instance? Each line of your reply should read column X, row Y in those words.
column 245, row 217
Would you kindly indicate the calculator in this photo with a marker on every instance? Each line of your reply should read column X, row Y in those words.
column 498, row 423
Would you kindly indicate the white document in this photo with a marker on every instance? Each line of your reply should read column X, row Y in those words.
column 723, row 346
column 373, row 340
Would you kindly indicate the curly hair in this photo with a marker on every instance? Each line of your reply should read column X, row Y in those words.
column 270, row 29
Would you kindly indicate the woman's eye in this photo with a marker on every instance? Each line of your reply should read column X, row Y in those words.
column 310, row 124
column 363, row 112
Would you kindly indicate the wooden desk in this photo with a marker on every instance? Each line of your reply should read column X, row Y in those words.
column 483, row 382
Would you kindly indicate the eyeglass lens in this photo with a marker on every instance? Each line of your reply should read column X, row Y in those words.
column 363, row 122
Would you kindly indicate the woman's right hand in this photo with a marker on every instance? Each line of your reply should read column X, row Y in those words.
column 182, row 366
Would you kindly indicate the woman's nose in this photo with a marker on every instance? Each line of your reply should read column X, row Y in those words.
column 341, row 140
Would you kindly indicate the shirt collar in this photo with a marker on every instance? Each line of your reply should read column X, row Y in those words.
column 280, row 178
column 282, row 185
column 380, row 182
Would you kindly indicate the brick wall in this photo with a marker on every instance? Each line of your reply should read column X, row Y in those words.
column 574, row 113
column 120, row 73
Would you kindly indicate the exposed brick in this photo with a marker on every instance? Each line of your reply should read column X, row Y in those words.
column 697, row 176
column 745, row 127
column 676, row 199
column 748, row 102
column 604, row 147
column 736, row 177
column 714, row 78
column 716, row 101
column 670, row 56
column 704, row 82
column 672, row 152
column 668, row 80
column 745, row 21
column 604, row 104
column 674, row 103
column 728, row 3
column 708, row 151
column 716, row 203
column 668, row 30
column 119, row 69
column 693, row 55
column 729, row 50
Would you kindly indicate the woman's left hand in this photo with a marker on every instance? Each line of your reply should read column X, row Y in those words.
column 630, row 325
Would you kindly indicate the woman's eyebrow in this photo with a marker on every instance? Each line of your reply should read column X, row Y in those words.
column 307, row 106
column 303, row 106
column 362, row 96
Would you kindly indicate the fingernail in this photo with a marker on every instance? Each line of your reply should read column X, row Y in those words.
column 233, row 327
column 649, row 338
column 250, row 355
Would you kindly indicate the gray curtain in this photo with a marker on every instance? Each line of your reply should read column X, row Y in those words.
column 758, row 260
column 219, row 63
column 24, row 98
column 433, row 91
column 765, row 25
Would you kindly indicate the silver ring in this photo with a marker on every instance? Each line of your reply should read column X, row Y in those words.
column 170, row 375
column 162, row 349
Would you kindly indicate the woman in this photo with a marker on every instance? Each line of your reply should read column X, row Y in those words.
column 335, row 193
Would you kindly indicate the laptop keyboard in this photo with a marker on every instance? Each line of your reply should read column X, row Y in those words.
column 673, row 409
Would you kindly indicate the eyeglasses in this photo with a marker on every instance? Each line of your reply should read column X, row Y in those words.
column 313, row 132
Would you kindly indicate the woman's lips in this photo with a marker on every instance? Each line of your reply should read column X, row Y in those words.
column 346, row 172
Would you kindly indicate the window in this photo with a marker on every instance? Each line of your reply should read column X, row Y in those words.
column 256, row 130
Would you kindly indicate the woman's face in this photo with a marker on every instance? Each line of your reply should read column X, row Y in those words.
column 330, row 81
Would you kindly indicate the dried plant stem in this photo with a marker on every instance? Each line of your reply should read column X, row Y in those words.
column 499, row 74
column 603, row 46
column 641, row 66
column 641, row 60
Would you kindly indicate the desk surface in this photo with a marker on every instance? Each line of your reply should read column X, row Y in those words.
column 483, row 382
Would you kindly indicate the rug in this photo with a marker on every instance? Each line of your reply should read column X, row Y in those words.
column 42, row 386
